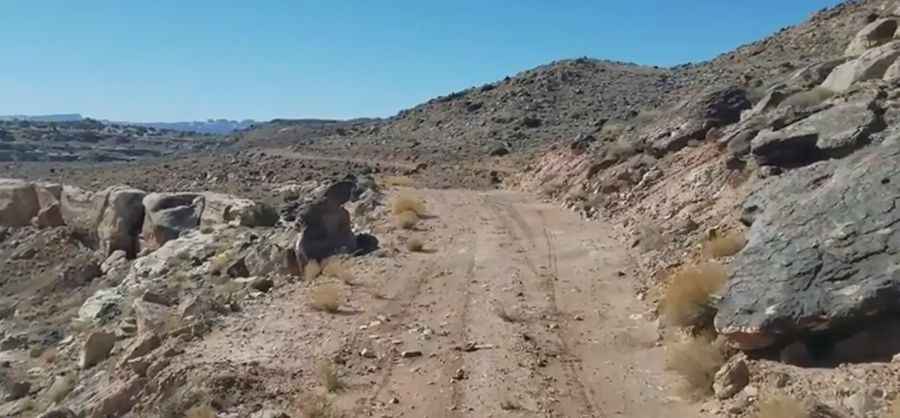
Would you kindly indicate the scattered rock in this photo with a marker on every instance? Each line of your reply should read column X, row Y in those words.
column 872, row 64
column 228, row 209
column 101, row 306
column 96, row 348
column 731, row 378
column 168, row 215
column 874, row 34
column 18, row 202
column 121, row 220
column 411, row 353
column 58, row 413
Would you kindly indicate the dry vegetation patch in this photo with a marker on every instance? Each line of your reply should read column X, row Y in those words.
column 337, row 267
column 696, row 361
column 689, row 299
column 326, row 298
column 726, row 245
column 312, row 270
column 415, row 245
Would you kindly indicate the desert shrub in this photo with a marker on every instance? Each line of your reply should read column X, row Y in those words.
column 688, row 300
column 782, row 408
column 397, row 181
column 404, row 203
column 337, row 267
column 809, row 98
column 726, row 245
column 696, row 361
column 326, row 298
column 317, row 407
column 312, row 270
column 406, row 220
column 220, row 262
column 200, row 411
column 328, row 375
column 415, row 245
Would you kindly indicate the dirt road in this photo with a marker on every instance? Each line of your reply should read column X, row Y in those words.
column 519, row 309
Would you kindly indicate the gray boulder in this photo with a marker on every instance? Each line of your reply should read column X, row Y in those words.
column 120, row 223
column 228, row 209
column 168, row 215
column 873, row 34
column 823, row 261
column 18, row 202
column 825, row 134
column 81, row 210
column 96, row 348
column 102, row 305
column 871, row 65
column 49, row 209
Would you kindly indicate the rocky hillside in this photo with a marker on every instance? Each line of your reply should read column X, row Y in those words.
column 89, row 140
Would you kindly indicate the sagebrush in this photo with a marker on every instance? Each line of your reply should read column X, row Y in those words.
column 696, row 361
column 689, row 299
column 326, row 298
column 725, row 245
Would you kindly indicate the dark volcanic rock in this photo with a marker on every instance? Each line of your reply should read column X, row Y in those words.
column 830, row 133
column 822, row 254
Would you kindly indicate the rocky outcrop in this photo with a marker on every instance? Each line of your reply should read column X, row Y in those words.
column 873, row 64
column 49, row 208
column 121, row 220
column 229, row 209
column 824, row 260
column 96, row 348
column 168, row 215
column 874, row 34
column 825, row 134
column 328, row 229
column 18, row 202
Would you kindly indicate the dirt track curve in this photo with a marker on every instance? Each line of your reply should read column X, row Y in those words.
column 521, row 309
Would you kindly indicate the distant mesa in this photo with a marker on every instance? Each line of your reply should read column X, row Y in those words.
column 209, row 126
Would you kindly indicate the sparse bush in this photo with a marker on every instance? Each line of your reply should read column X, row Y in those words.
column 406, row 220
column 406, row 203
column 688, row 299
column 328, row 374
column 220, row 262
column 782, row 408
column 415, row 245
column 312, row 270
column 326, row 298
column 810, row 98
column 317, row 407
column 725, row 246
column 696, row 361
column 201, row 411
column 336, row 267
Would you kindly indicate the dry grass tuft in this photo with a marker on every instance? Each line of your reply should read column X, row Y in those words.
column 313, row 406
column 696, row 360
column 200, row 411
column 810, row 98
column 326, row 298
column 397, row 181
column 328, row 374
column 312, row 270
column 415, row 245
column 407, row 203
column 337, row 267
column 688, row 301
column 406, row 220
column 782, row 408
column 725, row 245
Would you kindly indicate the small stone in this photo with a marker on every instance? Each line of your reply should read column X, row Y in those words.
column 579, row 318
column 17, row 390
column 731, row 378
column 411, row 353
column 367, row 353
column 96, row 348
column 861, row 403
column 459, row 375
column 395, row 401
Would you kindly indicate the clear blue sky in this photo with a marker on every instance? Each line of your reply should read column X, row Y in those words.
column 195, row 59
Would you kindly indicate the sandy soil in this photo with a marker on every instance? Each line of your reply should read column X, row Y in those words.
column 517, row 308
